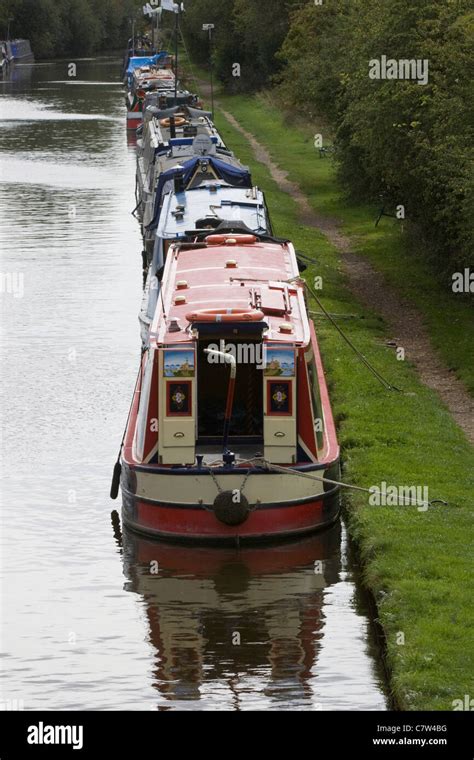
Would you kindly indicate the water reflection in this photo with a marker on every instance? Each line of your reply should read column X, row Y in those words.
column 19, row 73
column 252, row 622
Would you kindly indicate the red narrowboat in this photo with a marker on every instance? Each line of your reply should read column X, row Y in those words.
column 231, row 435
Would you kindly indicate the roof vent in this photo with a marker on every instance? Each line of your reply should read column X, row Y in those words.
column 286, row 328
column 174, row 326
column 179, row 300
column 231, row 264
column 178, row 213
column 181, row 284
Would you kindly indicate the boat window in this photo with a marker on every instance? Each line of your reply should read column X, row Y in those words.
column 318, row 418
column 143, row 406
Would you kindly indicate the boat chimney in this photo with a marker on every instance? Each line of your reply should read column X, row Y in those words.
column 172, row 127
column 174, row 325
column 179, row 183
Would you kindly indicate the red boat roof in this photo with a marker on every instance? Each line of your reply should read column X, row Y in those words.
column 259, row 275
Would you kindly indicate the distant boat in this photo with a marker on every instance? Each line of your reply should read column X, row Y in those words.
column 182, row 139
column 241, row 208
column 14, row 51
column 22, row 52
column 143, row 74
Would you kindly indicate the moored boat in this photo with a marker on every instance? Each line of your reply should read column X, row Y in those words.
column 13, row 52
column 179, row 146
column 6, row 58
column 145, row 73
column 231, row 434
column 21, row 51
column 191, row 215
column 137, row 47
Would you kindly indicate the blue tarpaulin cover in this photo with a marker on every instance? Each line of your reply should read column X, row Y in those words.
column 136, row 62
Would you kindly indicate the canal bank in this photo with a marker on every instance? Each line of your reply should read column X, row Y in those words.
column 417, row 563
column 91, row 622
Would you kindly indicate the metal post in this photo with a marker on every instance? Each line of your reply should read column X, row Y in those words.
column 154, row 30
column 212, row 73
column 176, row 57
column 209, row 28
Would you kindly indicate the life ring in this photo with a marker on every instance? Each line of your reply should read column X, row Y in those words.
column 225, row 315
column 178, row 122
column 222, row 239
column 141, row 94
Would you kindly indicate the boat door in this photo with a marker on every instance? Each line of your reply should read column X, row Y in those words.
column 246, row 426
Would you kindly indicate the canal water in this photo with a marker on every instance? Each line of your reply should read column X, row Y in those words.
column 92, row 619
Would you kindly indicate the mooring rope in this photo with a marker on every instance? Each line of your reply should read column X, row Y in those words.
column 387, row 385
column 265, row 464
column 336, row 316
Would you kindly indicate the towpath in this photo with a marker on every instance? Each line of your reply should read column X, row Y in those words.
column 371, row 288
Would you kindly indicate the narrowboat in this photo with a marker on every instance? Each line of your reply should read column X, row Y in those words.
column 165, row 100
column 161, row 60
column 179, row 143
column 6, row 58
column 212, row 206
column 207, row 173
column 163, row 94
column 230, row 435
column 21, row 51
column 14, row 51
column 137, row 47
column 144, row 74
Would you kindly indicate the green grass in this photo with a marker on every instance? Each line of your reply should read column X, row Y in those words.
column 404, row 262
column 417, row 564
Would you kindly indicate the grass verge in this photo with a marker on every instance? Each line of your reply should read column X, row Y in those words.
column 402, row 260
column 417, row 564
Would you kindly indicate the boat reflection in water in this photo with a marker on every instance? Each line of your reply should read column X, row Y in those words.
column 132, row 138
column 229, row 622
